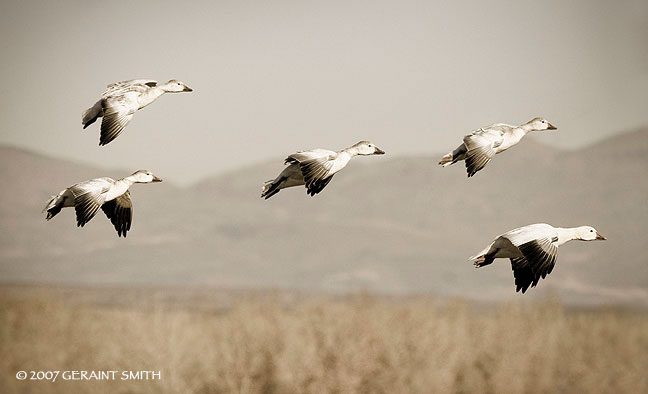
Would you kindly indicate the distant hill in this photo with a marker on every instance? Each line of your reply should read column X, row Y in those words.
column 400, row 224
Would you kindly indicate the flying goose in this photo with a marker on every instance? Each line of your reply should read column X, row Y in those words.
column 315, row 168
column 532, row 250
column 483, row 144
column 119, row 102
column 112, row 196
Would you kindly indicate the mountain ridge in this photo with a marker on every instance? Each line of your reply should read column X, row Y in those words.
column 397, row 225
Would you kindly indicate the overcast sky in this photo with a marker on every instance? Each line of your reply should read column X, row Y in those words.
column 272, row 77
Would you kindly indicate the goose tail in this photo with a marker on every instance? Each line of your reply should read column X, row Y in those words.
column 483, row 258
column 454, row 156
column 54, row 206
column 446, row 160
column 270, row 188
column 91, row 114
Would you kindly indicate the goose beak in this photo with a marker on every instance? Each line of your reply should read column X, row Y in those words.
column 551, row 127
column 156, row 179
column 378, row 151
column 600, row 237
column 187, row 89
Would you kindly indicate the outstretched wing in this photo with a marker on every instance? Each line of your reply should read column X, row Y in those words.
column 120, row 213
column 117, row 112
column 316, row 174
column 501, row 128
column 122, row 87
column 538, row 262
column 523, row 274
column 317, row 185
column 481, row 146
column 315, row 166
column 310, row 155
column 88, row 198
column 537, row 243
column 541, row 255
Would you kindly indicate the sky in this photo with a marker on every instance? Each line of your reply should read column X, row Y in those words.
column 274, row 77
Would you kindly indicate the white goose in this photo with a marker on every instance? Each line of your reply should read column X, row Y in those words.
column 112, row 196
column 532, row 250
column 483, row 144
column 119, row 102
column 315, row 168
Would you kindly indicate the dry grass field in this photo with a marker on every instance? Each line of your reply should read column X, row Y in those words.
column 358, row 344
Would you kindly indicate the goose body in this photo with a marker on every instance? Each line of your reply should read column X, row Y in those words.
column 121, row 100
column 479, row 147
column 315, row 168
column 532, row 250
column 112, row 196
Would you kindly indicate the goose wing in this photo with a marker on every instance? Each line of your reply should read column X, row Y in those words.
column 501, row 128
column 117, row 112
column 89, row 196
column 122, row 87
column 309, row 155
column 523, row 274
column 480, row 147
column 537, row 244
column 148, row 82
column 315, row 166
column 120, row 213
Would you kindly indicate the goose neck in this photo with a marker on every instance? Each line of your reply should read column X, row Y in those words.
column 351, row 151
column 527, row 128
column 566, row 234
column 127, row 181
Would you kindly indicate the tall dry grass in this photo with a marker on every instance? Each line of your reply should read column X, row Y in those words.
column 354, row 345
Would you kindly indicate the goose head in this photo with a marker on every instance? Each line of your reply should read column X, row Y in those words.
column 539, row 124
column 368, row 148
column 587, row 233
column 175, row 86
column 144, row 176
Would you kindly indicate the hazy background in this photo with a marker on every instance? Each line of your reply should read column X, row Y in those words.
column 274, row 77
